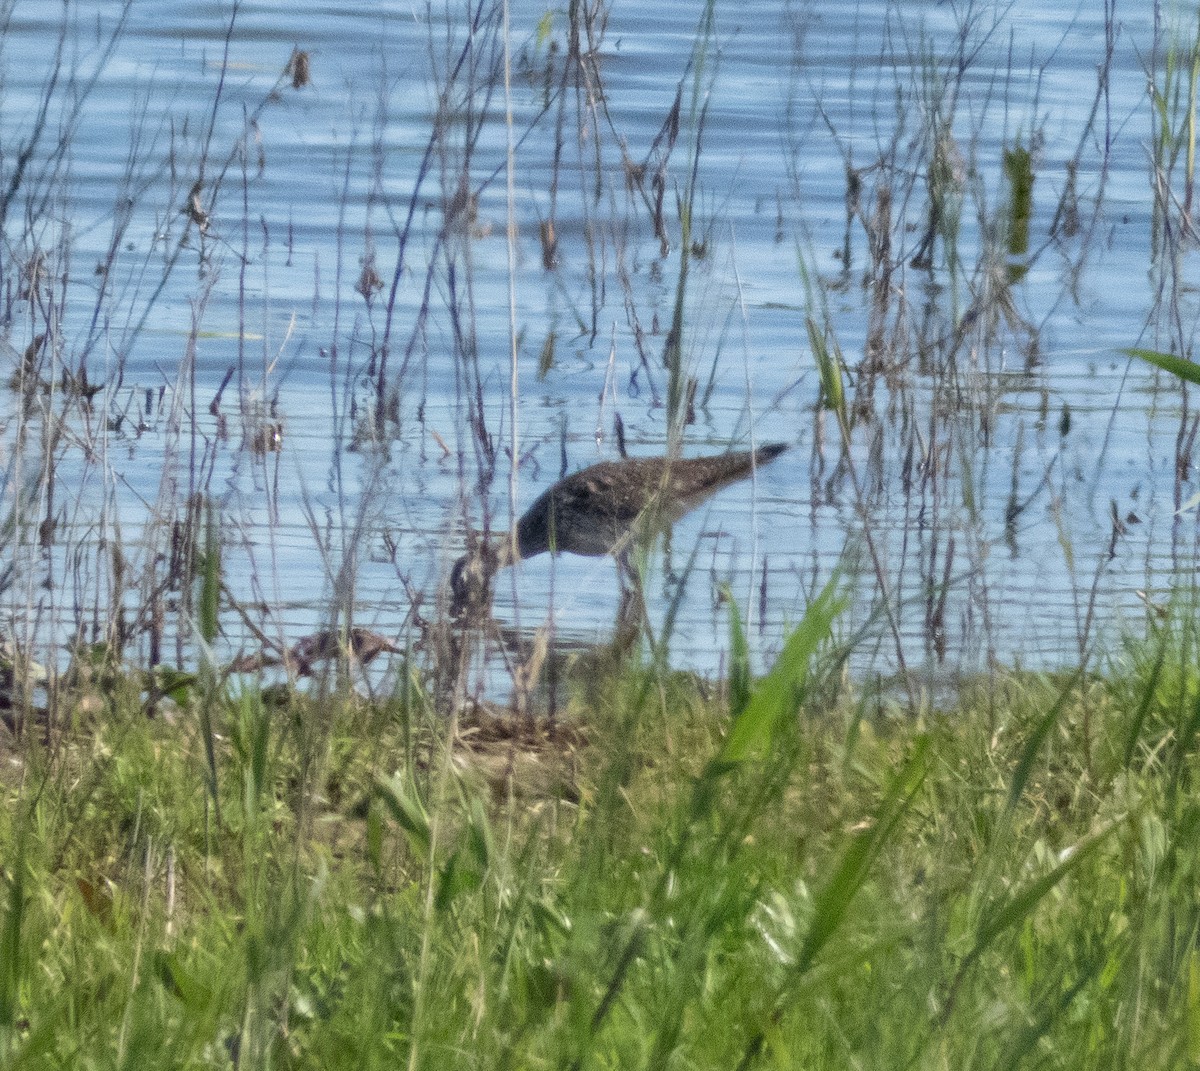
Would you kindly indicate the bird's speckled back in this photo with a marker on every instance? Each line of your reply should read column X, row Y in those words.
column 593, row 511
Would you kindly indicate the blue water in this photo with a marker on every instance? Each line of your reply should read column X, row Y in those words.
column 792, row 95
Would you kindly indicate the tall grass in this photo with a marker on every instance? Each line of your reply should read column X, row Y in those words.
column 780, row 876
column 199, row 870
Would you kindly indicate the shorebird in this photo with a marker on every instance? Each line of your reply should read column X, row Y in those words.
column 603, row 509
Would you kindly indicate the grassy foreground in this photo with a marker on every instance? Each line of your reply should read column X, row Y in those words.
column 778, row 875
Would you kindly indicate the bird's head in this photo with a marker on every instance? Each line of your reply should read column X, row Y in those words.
column 471, row 581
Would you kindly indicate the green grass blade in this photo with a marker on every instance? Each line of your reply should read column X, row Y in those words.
column 210, row 576
column 832, row 391
column 405, row 807
column 1148, row 689
column 778, row 694
column 1168, row 362
column 1050, row 1012
column 1033, row 745
column 853, row 868
column 1022, row 903
column 739, row 659
column 11, row 960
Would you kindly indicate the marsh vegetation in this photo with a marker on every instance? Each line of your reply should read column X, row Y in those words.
column 897, row 772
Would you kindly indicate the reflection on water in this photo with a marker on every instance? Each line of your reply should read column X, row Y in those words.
column 293, row 300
